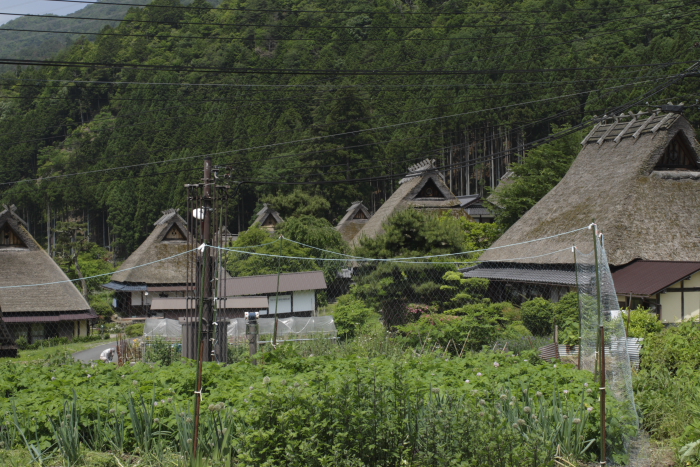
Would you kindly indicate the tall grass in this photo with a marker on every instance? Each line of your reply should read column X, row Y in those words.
column 66, row 431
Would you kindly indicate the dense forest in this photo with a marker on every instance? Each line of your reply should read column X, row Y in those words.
column 329, row 100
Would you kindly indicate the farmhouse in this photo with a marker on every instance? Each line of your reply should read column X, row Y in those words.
column 638, row 176
column 422, row 188
column 54, row 309
column 354, row 220
column 143, row 276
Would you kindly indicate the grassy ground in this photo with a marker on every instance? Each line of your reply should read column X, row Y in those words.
column 66, row 350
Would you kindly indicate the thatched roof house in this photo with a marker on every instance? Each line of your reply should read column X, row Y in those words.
column 355, row 218
column 422, row 188
column 638, row 176
column 54, row 309
column 268, row 218
column 136, row 284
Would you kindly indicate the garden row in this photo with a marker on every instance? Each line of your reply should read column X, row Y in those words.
column 365, row 402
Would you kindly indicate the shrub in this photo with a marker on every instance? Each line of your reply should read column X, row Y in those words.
column 22, row 342
column 134, row 330
column 643, row 323
column 350, row 314
column 469, row 327
column 566, row 310
column 537, row 316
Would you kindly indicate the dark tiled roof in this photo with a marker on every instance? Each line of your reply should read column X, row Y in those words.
column 651, row 277
column 121, row 287
column 536, row 274
column 224, row 303
column 467, row 200
column 48, row 318
column 289, row 282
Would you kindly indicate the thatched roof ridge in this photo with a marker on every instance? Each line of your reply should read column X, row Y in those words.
column 156, row 247
column 32, row 265
column 406, row 196
column 266, row 212
column 349, row 225
column 643, row 213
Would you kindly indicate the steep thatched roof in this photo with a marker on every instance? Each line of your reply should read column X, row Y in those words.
column 169, row 238
column 644, row 211
column 268, row 218
column 422, row 188
column 23, row 262
column 355, row 218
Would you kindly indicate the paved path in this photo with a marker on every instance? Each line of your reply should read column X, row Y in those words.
column 89, row 355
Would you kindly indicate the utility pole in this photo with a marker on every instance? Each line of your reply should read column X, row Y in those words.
column 205, row 339
column 208, row 283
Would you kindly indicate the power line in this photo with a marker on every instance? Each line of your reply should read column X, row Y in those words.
column 306, row 26
column 301, row 71
column 279, row 39
column 402, row 13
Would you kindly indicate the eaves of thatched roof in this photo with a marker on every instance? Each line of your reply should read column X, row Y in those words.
column 643, row 213
column 411, row 193
column 157, row 246
column 29, row 264
column 355, row 218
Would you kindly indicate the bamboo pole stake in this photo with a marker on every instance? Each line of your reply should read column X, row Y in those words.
column 580, row 314
column 597, row 283
column 603, row 434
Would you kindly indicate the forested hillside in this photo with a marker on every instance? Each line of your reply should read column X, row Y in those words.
column 43, row 36
column 334, row 98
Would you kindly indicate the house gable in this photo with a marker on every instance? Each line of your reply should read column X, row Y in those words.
column 678, row 155
column 174, row 234
column 9, row 238
column 430, row 190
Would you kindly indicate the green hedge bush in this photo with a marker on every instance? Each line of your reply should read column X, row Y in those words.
column 537, row 315
column 134, row 330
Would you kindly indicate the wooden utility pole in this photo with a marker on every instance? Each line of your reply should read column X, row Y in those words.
column 205, row 338
column 207, row 282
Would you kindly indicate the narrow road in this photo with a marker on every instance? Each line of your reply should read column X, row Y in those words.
column 89, row 355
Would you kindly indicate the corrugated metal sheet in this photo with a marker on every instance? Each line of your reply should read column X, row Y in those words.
column 651, row 277
column 289, row 282
column 549, row 352
column 634, row 346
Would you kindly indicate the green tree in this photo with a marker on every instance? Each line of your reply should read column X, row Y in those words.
column 541, row 169
column 299, row 203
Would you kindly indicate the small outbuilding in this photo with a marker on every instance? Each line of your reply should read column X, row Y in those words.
column 55, row 307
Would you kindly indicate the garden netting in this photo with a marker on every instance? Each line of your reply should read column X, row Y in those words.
column 599, row 306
